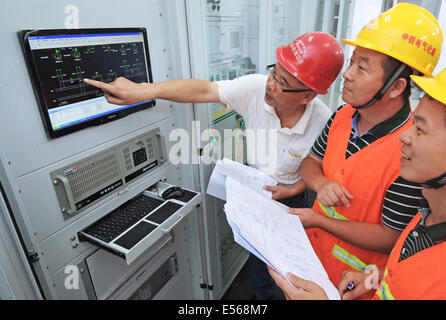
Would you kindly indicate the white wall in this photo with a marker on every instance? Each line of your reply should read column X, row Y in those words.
column 442, row 20
column 363, row 12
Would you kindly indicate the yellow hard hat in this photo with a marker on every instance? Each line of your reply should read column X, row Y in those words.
column 435, row 87
column 406, row 32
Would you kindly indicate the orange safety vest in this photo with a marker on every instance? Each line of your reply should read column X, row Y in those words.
column 367, row 175
column 419, row 277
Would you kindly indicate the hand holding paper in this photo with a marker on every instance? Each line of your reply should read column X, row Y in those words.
column 262, row 226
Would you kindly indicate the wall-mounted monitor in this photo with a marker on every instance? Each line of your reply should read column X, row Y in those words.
column 59, row 60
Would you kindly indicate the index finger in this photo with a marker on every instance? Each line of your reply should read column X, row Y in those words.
column 347, row 193
column 343, row 196
column 281, row 282
column 298, row 282
column 99, row 84
column 276, row 276
column 343, row 284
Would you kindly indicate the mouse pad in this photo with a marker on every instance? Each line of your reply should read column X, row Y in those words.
column 164, row 212
column 188, row 195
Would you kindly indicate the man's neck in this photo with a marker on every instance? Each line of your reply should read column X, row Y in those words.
column 437, row 204
column 289, row 117
column 377, row 113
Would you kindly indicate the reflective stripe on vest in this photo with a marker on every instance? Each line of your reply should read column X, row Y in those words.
column 348, row 258
column 384, row 292
column 331, row 212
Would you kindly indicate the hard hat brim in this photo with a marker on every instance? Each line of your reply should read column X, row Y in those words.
column 371, row 46
column 431, row 87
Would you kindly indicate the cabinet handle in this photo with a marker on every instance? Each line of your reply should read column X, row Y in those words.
column 162, row 141
column 70, row 198
column 172, row 226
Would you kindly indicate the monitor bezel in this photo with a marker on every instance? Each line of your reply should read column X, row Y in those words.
column 32, row 68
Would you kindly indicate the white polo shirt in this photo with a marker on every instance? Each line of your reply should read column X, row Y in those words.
column 246, row 95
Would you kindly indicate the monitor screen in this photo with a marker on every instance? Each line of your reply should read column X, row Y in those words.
column 59, row 60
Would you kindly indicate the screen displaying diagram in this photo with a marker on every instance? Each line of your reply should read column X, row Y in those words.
column 62, row 61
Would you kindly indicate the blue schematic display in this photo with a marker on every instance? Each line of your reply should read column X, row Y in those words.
column 62, row 70
column 60, row 60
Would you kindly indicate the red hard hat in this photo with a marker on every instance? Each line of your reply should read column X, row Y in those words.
column 315, row 58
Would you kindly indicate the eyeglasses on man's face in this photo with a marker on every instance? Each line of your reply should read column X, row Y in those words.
column 271, row 69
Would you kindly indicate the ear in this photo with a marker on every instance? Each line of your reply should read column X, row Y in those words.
column 398, row 88
column 310, row 95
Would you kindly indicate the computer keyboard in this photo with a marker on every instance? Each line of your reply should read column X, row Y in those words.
column 119, row 220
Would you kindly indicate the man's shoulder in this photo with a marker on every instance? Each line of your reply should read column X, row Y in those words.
column 253, row 79
column 244, row 94
column 343, row 110
column 252, row 82
column 332, row 115
column 257, row 76
column 320, row 109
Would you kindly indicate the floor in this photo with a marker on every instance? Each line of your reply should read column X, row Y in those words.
column 241, row 288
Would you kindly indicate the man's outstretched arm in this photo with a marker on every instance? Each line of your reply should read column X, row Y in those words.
column 124, row 92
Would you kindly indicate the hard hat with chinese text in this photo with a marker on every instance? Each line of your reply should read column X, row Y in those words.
column 406, row 32
column 315, row 59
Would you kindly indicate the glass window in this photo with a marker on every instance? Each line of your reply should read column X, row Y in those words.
column 292, row 18
column 432, row 5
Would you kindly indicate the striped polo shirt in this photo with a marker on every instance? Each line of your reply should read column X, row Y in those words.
column 423, row 237
column 402, row 198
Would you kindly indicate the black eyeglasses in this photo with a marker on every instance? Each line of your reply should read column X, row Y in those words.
column 271, row 69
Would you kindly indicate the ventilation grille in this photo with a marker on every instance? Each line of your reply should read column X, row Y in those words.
column 150, row 148
column 94, row 175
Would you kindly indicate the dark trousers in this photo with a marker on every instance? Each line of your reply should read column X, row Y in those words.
column 260, row 278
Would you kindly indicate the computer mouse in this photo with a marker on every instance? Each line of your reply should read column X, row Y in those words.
column 173, row 192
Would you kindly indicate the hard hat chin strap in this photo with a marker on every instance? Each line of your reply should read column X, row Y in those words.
column 436, row 183
column 380, row 94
